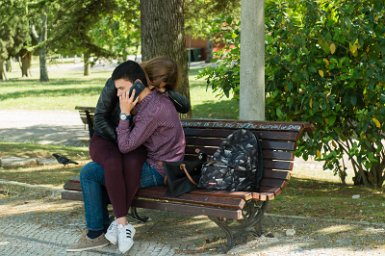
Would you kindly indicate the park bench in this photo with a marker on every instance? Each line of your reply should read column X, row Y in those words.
column 234, row 212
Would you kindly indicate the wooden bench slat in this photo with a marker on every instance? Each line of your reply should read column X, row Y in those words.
column 279, row 145
column 199, row 196
column 266, row 145
column 275, row 174
column 267, row 193
column 278, row 155
column 267, row 154
column 72, row 195
column 268, row 163
column 72, row 184
column 188, row 209
column 223, row 133
column 214, row 142
column 250, row 125
column 193, row 198
column 272, row 183
column 170, row 206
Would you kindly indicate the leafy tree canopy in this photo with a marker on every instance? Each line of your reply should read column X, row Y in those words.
column 14, row 32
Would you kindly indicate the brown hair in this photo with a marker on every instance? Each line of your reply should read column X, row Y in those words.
column 162, row 69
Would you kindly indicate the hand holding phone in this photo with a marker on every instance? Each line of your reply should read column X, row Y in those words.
column 138, row 86
column 127, row 101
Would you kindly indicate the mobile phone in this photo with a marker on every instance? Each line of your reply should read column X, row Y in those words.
column 138, row 86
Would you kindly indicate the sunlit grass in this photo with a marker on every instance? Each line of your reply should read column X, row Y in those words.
column 325, row 199
column 68, row 87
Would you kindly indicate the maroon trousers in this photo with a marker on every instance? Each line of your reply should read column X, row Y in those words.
column 121, row 171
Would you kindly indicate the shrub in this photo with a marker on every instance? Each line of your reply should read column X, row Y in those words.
column 325, row 65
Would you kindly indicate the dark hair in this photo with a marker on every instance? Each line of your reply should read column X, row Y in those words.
column 129, row 70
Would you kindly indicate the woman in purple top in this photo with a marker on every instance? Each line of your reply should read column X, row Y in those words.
column 155, row 125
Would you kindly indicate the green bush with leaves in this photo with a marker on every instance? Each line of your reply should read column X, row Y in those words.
column 325, row 65
column 223, row 77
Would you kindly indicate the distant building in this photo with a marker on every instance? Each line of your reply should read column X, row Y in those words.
column 198, row 49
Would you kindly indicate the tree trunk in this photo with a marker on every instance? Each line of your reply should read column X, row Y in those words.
column 8, row 65
column 43, row 49
column 25, row 59
column 2, row 71
column 162, row 26
column 252, row 84
column 86, row 59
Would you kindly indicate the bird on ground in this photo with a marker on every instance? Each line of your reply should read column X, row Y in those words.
column 63, row 160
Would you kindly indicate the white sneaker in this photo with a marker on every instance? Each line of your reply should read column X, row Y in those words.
column 125, row 237
column 112, row 233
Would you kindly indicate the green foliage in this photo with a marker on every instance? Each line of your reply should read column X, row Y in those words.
column 14, row 32
column 201, row 15
column 223, row 76
column 76, row 27
column 325, row 65
column 118, row 31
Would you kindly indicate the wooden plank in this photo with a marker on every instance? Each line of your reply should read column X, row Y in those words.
column 212, row 145
column 278, row 155
column 272, row 183
column 190, row 153
column 245, row 195
column 85, row 108
column 203, row 141
column 269, row 193
column 209, row 199
column 72, row 195
column 204, row 197
column 269, row 164
column 277, row 135
column 278, row 145
column 238, row 124
column 223, row 133
column 275, row 174
column 263, row 196
column 72, row 186
column 188, row 209
column 266, row 144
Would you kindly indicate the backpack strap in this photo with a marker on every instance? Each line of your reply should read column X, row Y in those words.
column 182, row 167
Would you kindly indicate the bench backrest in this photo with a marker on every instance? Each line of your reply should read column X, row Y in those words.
column 278, row 141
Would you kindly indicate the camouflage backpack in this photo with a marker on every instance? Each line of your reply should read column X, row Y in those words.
column 237, row 165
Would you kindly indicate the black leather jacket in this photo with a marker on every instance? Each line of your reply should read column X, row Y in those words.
column 107, row 110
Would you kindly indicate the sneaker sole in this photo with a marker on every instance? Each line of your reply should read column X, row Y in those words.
column 126, row 250
column 113, row 240
column 88, row 248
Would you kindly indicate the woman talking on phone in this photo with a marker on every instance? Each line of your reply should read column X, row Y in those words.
column 143, row 141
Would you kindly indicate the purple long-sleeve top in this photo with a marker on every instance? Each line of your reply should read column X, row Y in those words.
column 156, row 126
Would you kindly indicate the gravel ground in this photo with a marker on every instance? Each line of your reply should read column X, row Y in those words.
column 40, row 223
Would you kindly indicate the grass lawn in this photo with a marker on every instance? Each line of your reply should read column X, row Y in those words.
column 68, row 88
